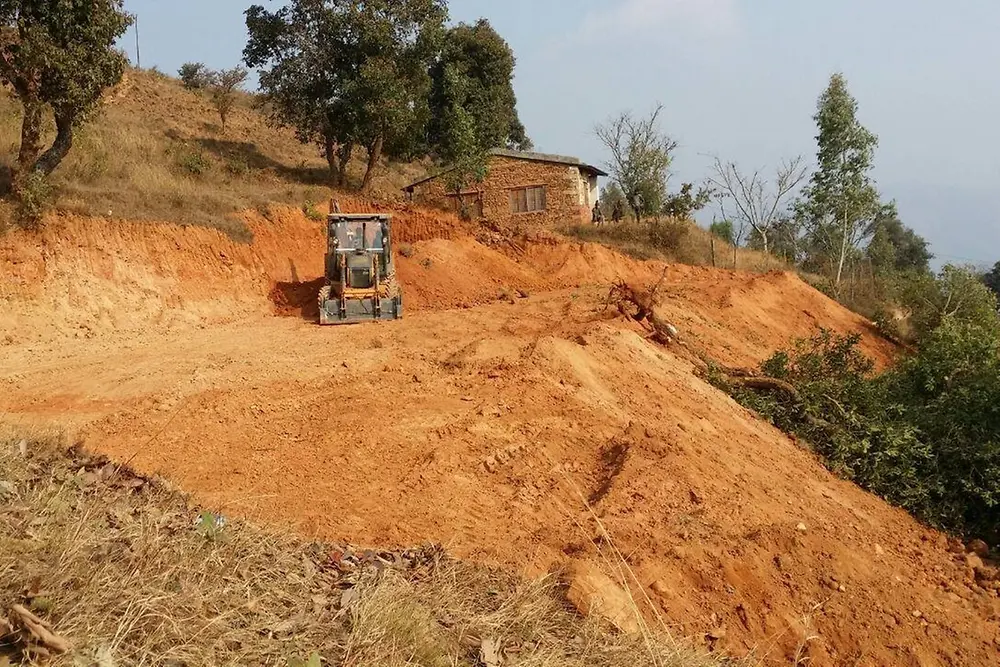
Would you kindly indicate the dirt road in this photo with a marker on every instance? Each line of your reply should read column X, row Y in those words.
column 507, row 430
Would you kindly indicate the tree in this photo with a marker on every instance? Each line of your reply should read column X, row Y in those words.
column 195, row 76
column 640, row 159
column 612, row 198
column 685, row 203
column 472, row 101
column 225, row 85
column 752, row 198
column 992, row 279
column 58, row 58
column 840, row 202
column 894, row 246
column 345, row 74
column 956, row 293
column 723, row 229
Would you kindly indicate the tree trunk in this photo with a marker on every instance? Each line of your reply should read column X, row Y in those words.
column 31, row 140
column 344, row 156
column 330, row 152
column 843, row 255
column 60, row 147
column 374, row 155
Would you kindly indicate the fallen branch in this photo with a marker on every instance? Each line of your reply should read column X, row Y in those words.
column 37, row 631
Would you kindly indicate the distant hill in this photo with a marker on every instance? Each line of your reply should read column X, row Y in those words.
column 157, row 152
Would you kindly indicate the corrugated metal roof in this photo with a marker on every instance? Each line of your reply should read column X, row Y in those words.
column 525, row 155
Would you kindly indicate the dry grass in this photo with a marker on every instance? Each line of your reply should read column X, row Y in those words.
column 157, row 152
column 674, row 240
column 120, row 567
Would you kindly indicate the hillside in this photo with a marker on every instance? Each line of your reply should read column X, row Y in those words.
column 484, row 423
column 156, row 152
column 512, row 416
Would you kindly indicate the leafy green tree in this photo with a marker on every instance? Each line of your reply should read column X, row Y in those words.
column 612, row 199
column 472, row 86
column 682, row 205
column 841, row 201
column 195, row 76
column 641, row 155
column 346, row 74
column 225, row 87
column 956, row 294
column 992, row 279
column 894, row 247
column 58, row 58
column 723, row 229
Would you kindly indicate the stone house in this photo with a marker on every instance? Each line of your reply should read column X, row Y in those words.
column 519, row 187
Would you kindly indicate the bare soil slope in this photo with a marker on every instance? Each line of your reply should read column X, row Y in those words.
column 489, row 428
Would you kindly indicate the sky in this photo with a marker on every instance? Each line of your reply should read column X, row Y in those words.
column 738, row 79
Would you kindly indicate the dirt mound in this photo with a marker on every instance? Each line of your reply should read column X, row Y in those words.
column 487, row 428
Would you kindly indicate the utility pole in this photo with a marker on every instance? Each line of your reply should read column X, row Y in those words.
column 138, row 57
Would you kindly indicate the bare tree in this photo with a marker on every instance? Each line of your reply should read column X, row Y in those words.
column 640, row 158
column 225, row 85
column 752, row 199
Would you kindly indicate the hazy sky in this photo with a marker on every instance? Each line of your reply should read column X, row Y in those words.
column 737, row 78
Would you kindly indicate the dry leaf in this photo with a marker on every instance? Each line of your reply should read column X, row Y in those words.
column 489, row 653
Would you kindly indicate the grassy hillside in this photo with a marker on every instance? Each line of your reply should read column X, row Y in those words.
column 157, row 152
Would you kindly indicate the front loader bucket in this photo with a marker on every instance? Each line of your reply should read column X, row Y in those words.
column 360, row 309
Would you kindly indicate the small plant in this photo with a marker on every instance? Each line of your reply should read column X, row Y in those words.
column 193, row 162
column 237, row 165
column 34, row 195
column 314, row 660
column 406, row 250
column 311, row 212
column 210, row 525
column 426, row 263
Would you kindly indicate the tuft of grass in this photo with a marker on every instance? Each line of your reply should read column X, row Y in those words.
column 128, row 571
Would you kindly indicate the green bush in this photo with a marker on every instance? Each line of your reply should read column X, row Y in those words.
column 193, row 162
column 311, row 212
column 925, row 435
column 34, row 196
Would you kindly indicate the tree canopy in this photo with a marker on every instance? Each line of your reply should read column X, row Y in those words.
column 641, row 155
column 58, row 57
column 473, row 79
column 841, row 202
column 345, row 74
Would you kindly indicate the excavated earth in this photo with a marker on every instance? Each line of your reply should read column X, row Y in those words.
column 510, row 416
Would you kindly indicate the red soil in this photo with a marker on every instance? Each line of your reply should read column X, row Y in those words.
column 486, row 428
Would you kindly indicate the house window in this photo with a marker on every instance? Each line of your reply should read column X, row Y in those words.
column 526, row 200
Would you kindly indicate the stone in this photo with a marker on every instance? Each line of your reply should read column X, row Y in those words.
column 973, row 561
column 593, row 593
column 879, row 551
column 979, row 548
column 801, row 528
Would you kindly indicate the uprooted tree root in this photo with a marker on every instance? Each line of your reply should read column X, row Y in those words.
column 639, row 304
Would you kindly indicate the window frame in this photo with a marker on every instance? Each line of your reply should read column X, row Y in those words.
column 525, row 199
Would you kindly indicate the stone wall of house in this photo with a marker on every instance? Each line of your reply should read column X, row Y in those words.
column 566, row 192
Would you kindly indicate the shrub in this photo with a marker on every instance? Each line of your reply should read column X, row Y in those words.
column 195, row 76
column 193, row 162
column 34, row 195
column 925, row 435
column 406, row 250
column 311, row 212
